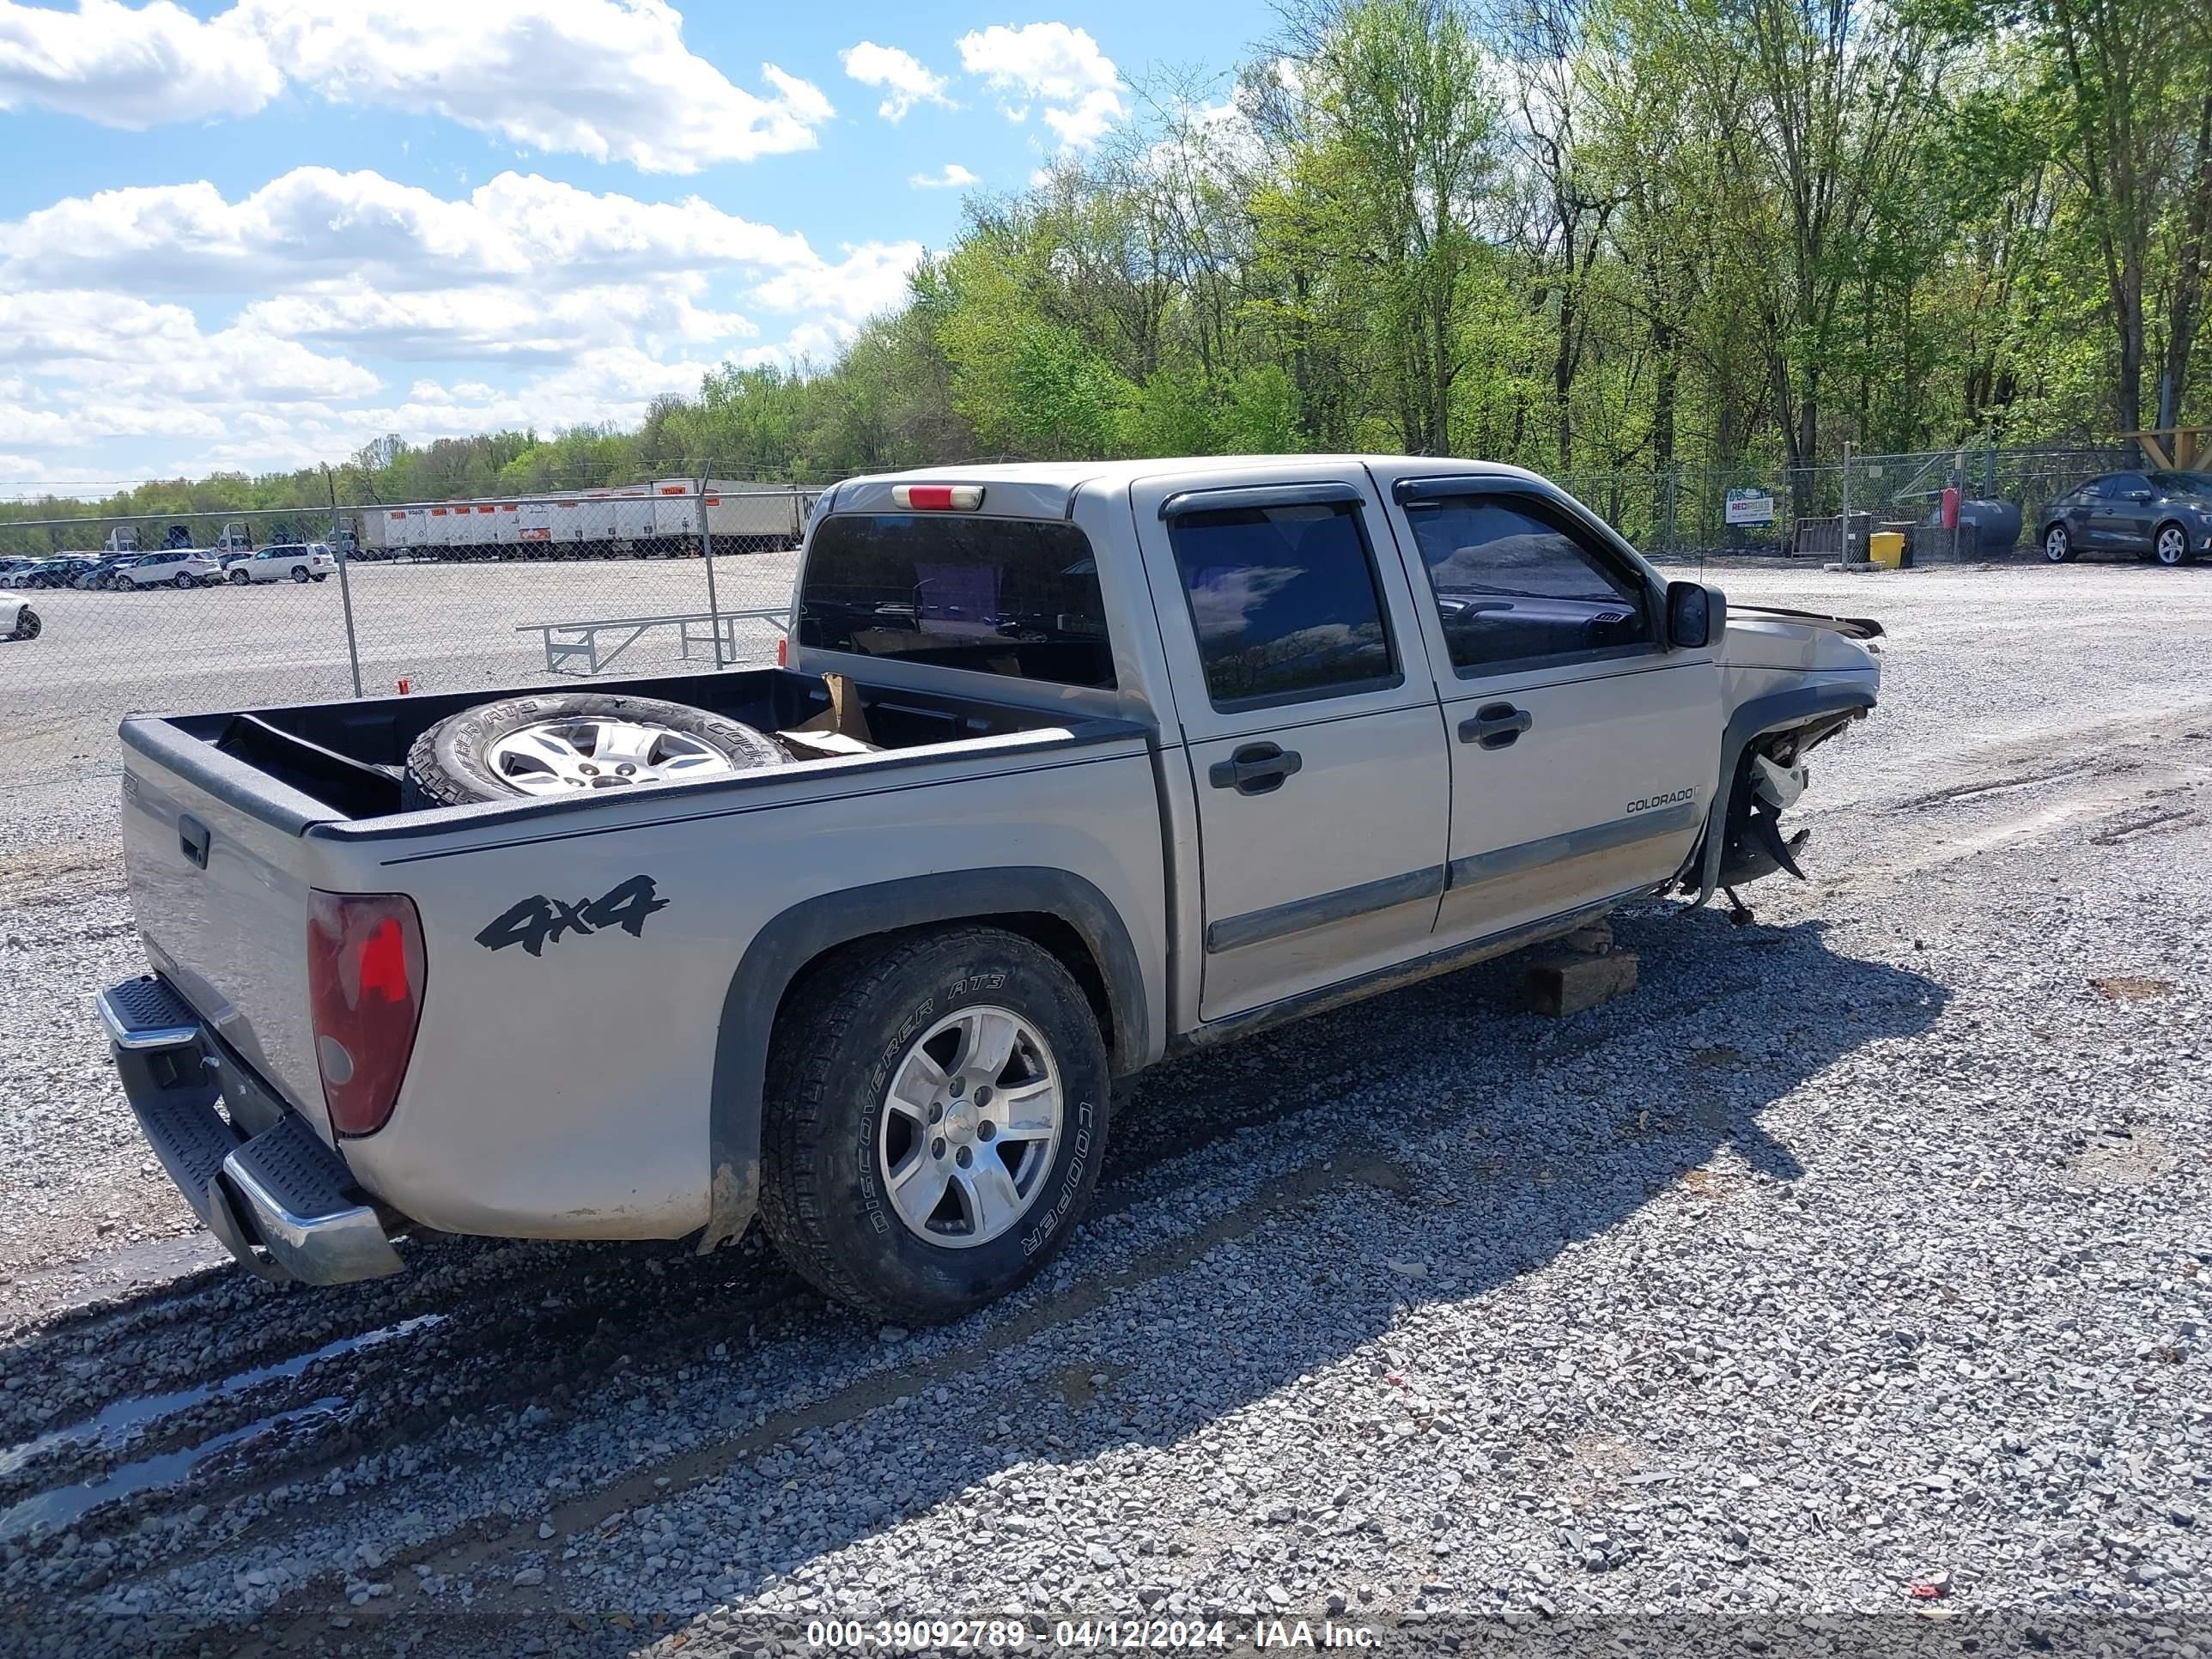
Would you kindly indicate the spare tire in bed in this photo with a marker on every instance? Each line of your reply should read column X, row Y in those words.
column 572, row 743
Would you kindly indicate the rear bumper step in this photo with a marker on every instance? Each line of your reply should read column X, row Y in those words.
column 282, row 1201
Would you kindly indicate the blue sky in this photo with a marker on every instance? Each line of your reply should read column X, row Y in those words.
column 251, row 233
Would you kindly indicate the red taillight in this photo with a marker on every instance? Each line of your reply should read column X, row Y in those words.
column 365, row 993
column 783, row 653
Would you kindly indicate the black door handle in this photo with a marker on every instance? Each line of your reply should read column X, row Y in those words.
column 1496, row 725
column 1255, row 770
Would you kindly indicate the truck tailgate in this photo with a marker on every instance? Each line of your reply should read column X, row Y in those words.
column 222, row 903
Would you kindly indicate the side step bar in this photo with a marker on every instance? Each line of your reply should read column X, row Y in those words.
column 283, row 1202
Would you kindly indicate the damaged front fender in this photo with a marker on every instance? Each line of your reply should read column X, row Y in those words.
column 1762, row 771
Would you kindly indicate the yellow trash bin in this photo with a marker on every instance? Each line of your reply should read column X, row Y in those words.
column 1887, row 547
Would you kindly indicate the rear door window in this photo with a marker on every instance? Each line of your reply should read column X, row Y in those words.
column 1284, row 602
column 1515, row 582
column 1016, row 597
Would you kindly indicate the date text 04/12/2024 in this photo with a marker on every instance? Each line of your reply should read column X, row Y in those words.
column 1087, row 1634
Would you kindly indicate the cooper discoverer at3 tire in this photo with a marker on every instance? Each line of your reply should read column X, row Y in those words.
column 935, row 1117
column 575, row 743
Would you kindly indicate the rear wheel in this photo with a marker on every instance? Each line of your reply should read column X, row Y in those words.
column 183, row 580
column 299, row 573
column 26, row 624
column 935, row 1117
column 239, row 578
column 2170, row 546
column 2057, row 546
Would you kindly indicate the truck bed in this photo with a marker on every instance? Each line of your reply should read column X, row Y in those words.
column 232, row 820
column 324, row 761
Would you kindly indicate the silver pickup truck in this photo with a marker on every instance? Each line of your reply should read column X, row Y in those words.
column 1070, row 768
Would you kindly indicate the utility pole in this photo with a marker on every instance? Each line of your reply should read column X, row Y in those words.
column 1848, row 555
column 707, row 552
column 345, row 581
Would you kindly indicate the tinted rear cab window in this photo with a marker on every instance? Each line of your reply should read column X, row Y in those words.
column 1017, row 597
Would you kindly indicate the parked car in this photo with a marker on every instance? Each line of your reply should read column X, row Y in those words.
column 14, row 570
column 17, row 620
column 2163, row 515
column 296, row 562
column 104, row 572
column 1101, row 763
column 60, row 571
column 170, row 569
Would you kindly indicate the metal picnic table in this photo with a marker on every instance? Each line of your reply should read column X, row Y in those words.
column 706, row 630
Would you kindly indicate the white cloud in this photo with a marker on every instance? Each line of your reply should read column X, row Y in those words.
column 250, row 332
column 904, row 79
column 955, row 177
column 494, row 321
column 313, row 223
column 102, row 339
column 613, row 384
column 869, row 279
column 131, row 67
column 1059, row 67
column 1087, row 122
column 608, row 79
column 314, row 231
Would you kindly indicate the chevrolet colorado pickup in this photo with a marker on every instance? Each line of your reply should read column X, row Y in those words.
column 1157, row 754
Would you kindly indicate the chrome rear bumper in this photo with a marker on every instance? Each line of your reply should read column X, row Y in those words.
column 283, row 1202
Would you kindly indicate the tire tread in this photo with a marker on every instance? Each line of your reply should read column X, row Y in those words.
column 814, row 1028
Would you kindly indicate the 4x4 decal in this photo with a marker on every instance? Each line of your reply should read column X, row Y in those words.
column 537, row 921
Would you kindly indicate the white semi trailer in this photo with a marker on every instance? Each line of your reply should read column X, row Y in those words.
column 659, row 520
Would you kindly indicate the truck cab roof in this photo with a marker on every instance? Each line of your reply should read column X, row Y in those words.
column 1047, row 490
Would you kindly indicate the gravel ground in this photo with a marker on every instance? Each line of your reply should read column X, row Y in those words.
column 1842, row 1289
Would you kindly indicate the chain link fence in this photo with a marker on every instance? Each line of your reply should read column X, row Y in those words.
column 1753, row 508
column 195, row 610
column 658, row 575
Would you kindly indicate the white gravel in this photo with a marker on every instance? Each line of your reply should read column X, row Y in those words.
column 1861, row 1252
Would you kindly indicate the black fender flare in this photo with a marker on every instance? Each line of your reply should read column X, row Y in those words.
column 794, row 937
column 1777, row 712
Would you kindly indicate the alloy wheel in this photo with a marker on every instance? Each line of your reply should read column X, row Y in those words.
column 970, row 1127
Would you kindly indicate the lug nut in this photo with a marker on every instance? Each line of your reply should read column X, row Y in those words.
column 937, row 1149
column 964, row 1158
column 983, row 1094
column 986, row 1131
column 937, row 1112
column 959, row 1087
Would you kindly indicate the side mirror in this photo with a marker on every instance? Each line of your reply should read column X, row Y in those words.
column 2138, row 495
column 1696, row 612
